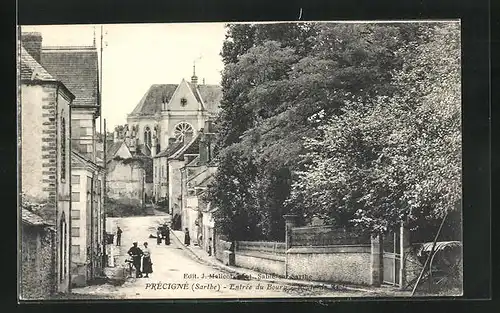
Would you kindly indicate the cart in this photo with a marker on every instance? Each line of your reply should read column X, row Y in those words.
column 444, row 268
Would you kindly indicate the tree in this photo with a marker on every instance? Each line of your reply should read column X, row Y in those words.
column 397, row 157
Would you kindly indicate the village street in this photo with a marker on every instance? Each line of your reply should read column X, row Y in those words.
column 174, row 270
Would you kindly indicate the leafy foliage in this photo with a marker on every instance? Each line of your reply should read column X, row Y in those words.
column 345, row 87
column 116, row 208
column 395, row 157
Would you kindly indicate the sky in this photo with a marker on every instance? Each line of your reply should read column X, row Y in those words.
column 136, row 56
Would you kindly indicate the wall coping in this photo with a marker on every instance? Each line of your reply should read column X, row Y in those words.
column 330, row 249
column 262, row 255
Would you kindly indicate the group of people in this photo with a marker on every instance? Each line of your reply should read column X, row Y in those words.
column 163, row 233
column 141, row 260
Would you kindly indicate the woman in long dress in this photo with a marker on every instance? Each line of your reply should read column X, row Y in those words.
column 147, row 265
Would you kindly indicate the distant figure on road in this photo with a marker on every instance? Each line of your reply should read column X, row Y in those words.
column 165, row 233
column 147, row 265
column 187, row 238
column 119, row 236
column 159, row 235
column 136, row 254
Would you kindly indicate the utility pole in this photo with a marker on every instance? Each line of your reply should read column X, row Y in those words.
column 103, row 129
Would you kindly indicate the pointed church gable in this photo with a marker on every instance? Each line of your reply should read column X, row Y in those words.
column 184, row 99
column 123, row 152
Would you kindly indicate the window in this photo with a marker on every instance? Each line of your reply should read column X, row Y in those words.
column 183, row 102
column 75, row 214
column 63, row 147
column 75, row 179
column 75, row 231
column 147, row 136
column 183, row 130
column 75, row 196
column 75, row 250
column 62, row 247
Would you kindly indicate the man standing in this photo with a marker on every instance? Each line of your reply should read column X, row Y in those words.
column 119, row 236
column 136, row 253
column 187, row 238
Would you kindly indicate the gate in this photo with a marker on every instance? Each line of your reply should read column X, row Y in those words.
column 391, row 259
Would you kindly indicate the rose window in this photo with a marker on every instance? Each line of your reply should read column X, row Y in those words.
column 182, row 130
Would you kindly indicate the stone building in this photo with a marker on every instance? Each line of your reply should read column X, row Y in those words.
column 77, row 67
column 44, row 158
column 127, row 175
column 86, row 215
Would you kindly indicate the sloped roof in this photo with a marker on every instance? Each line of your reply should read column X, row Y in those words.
column 205, row 182
column 195, row 162
column 151, row 102
column 112, row 149
column 33, row 219
column 28, row 66
column 77, row 69
column 193, row 147
column 171, row 149
column 211, row 95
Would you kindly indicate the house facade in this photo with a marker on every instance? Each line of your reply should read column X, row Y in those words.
column 197, row 176
column 45, row 171
column 87, row 212
column 77, row 67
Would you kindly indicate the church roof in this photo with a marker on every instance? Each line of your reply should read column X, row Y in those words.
column 151, row 102
column 77, row 69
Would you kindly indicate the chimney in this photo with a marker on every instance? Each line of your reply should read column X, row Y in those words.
column 203, row 149
column 32, row 42
column 208, row 127
column 203, row 81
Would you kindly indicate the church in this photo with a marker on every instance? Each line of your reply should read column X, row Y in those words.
column 167, row 119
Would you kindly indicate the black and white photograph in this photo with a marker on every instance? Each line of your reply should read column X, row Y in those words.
column 241, row 160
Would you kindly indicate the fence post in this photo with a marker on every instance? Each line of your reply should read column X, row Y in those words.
column 376, row 260
column 403, row 250
column 290, row 222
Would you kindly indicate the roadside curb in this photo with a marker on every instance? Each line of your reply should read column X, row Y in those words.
column 270, row 280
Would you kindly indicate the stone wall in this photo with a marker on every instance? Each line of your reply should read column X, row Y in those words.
column 125, row 182
column 342, row 264
column 266, row 257
column 37, row 263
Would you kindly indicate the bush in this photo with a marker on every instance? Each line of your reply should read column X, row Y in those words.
column 117, row 209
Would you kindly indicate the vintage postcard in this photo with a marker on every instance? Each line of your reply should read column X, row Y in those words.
column 240, row 160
